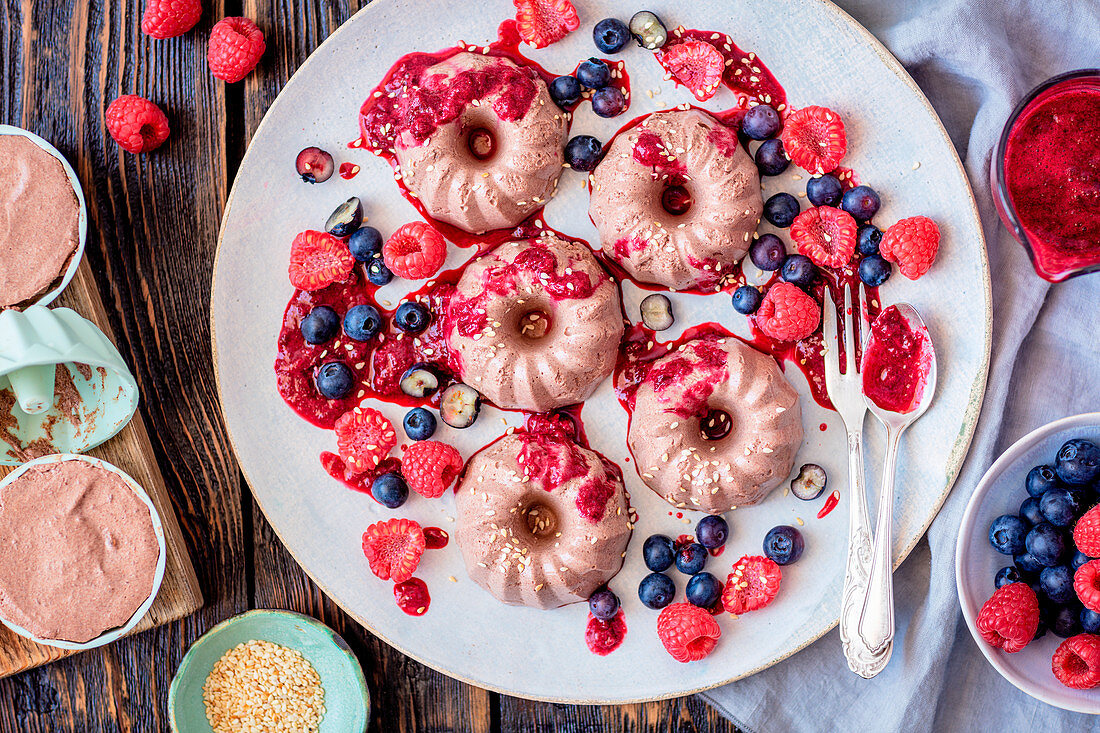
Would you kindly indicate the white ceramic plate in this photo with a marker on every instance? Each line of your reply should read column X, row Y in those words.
column 1001, row 491
column 895, row 140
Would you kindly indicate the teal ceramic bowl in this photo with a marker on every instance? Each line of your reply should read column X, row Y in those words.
column 347, row 700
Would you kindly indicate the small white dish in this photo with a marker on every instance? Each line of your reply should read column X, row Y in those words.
column 1001, row 491
column 114, row 634
column 82, row 220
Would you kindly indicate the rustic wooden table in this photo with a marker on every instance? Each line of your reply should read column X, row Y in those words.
column 153, row 224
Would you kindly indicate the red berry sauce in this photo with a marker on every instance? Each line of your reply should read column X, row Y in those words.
column 435, row 538
column 348, row 170
column 896, row 362
column 412, row 596
column 604, row 637
column 830, row 504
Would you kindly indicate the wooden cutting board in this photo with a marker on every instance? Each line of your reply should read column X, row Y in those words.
column 131, row 451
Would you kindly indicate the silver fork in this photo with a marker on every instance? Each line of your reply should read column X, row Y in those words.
column 846, row 393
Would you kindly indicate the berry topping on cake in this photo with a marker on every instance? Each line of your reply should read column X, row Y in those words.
column 236, row 45
column 364, row 437
column 170, row 18
column 688, row 632
column 136, row 124
column 430, row 467
column 415, row 251
column 814, row 139
column 542, row 22
column 1009, row 619
column 317, row 260
column 826, row 235
column 394, row 548
column 1086, row 581
column 1086, row 533
column 697, row 65
column 787, row 313
column 912, row 245
column 1076, row 662
column 753, row 584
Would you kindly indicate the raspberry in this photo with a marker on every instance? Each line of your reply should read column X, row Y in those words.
column 236, row 45
column 317, row 260
column 1086, row 533
column 136, row 124
column 697, row 65
column 814, row 139
column 1086, row 581
column 826, row 235
column 787, row 313
column 429, row 467
column 1076, row 662
column 753, row 584
column 364, row 437
column 414, row 251
column 542, row 22
column 1009, row 619
column 688, row 632
column 912, row 244
column 394, row 548
column 170, row 18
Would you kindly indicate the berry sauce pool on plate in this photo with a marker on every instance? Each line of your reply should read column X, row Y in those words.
column 1052, row 172
column 896, row 362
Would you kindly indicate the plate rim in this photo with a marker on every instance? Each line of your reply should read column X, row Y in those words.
column 956, row 458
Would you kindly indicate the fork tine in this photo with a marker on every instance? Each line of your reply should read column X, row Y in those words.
column 828, row 332
column 863, row 317
column 850, row 365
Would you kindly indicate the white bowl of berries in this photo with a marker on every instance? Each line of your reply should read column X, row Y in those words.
column 1029, row 590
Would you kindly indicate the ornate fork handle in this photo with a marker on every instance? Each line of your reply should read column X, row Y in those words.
column 862, row 659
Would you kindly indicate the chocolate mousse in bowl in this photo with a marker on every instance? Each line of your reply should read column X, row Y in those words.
column 82, row 552
column 42, row 220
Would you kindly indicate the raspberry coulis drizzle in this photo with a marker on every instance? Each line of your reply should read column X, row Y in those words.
column 412, row 596
column 604, row 637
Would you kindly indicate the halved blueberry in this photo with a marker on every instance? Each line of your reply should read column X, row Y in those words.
column 460, row 405
column 320, row 326
column 314, row 165
column 419, row 381
column 810, row 482
column 656, row 310
column 334, row 380
column 347, row 217
column 362, row 322
column 377, row 272
column 648, row 29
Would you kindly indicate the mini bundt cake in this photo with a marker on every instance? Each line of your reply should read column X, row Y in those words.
column 542, row 521
column 715, row 425
column 535, row 324
column 676, row 200
column 478, row 139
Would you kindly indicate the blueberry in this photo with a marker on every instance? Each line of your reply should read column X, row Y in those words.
column 648, row 30
column 691, row 558
column 365, row 243
column 810, row 482
column 1060, row 506
column 610, row 35
column 390, row 490
column 419, row 424
column 1027, row 563
column 1007, row 575
column 771, row 159
column 712, row 532
column 1090, row 621
column 1078, row 462
column 1065, row 621
column 565, row 91
column 781, row 209
column 583, row 152
column 824, row 190
column 346, row 218
column 1079, row 558
column 412, row 317
column 1057, row 583
column 746, row 299
column 656, row 591
column 799, row 270
column 1030, row 511
column 783, row 544
column 362, row 322
column 377, row 272
column 603, row 604
column 1040, row 628
column 874, row 270
column 608, row 102
column 1040, row 480
column 321, row 325
column 419, row 381
column 594, row 74
column 861, row 202
column 703, row 590
column 868, row 239
column 334, row 380
column 658, row 552
column 768, row 252
column 761, row 122
column 1045, row 543
column 459, row 405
